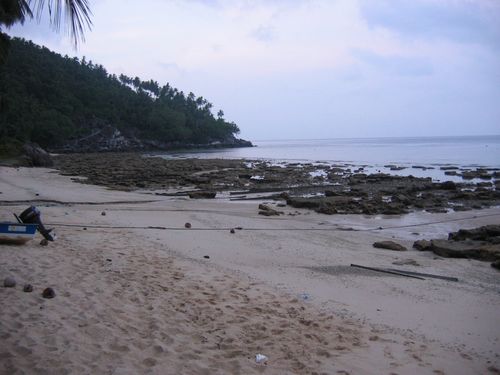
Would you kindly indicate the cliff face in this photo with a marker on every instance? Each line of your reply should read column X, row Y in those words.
column 109, row 139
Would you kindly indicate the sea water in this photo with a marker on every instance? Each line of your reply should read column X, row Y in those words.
column 375, row 153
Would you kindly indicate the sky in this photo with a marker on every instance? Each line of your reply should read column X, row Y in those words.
column 309, row 69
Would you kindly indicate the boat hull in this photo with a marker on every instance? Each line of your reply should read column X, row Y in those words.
column 15, row 233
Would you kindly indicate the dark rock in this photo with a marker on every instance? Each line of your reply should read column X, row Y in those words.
column 422, row 245
column 187, row 225
column 471, row 249
column 103, row 213
column 389, row 245
column 44, row 242
column 48, row 293
column 268, row 211
column 485, row 233
column 448, row 185
column 206, row 256
column 297, row 202
column 202, row 194
column 9, row 282
column 28, row 288
column 331, row 193
column 37, row 156
column 232, row 230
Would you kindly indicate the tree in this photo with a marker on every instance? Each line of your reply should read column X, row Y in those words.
column 77, row 17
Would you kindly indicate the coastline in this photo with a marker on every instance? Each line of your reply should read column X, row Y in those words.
column 160, row 306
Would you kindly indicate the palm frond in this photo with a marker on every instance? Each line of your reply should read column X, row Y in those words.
column 77, row 16
column 12, row 11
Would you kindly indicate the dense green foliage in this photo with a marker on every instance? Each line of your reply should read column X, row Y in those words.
column 50, row 99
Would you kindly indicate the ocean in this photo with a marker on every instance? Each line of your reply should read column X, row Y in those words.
column 376, row 153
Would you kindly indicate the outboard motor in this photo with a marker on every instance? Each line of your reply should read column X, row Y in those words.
column 31, row 215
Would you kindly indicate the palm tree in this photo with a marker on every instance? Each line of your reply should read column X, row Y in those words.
column 76, row 15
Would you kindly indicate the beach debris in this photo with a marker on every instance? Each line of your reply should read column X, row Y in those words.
column 496, row 264
column 48, row 293
column 187, row 225
column 103, row 213
column 232, row 231
column 44, row 242
column 261, row 358
column 305, row 296
column 422, row 245
column 28, row 288
column 387, row 271
column 9, row 282
column 206, row 256
column 389, row 245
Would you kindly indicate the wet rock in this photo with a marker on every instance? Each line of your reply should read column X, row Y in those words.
column 422, row 245
column 471, row 249
column 187, row 225
column 232, row 231
column 103, row 213
column 37, row 156
column 28, row 288
column 9, row 282
column 48, row 293
column 206, row 256
column 389, row 245
column 489, row 233
column 268, row 211
column 202, row 194
column 448, row 185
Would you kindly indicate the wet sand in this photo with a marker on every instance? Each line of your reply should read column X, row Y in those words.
column 149, row 301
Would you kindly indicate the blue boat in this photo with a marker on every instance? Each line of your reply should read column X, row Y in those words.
column 16, row 233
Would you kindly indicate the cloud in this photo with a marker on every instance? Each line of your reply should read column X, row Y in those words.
column 395, row 65
column 459, row 21
column 263, row 33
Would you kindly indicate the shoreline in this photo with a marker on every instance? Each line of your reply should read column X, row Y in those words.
column 386, row 323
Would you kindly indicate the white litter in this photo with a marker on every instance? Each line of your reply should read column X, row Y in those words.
column 260, row 358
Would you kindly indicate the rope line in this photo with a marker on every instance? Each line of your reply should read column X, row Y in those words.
column 94, row 226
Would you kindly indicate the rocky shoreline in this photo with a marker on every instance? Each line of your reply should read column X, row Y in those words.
column 324, row 188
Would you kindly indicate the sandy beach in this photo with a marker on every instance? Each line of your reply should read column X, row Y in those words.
column 133, row 299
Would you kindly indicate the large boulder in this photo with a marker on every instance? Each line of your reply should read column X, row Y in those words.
column 471, row 249
column 37, row 156
column 488, row 233
column 422, row 245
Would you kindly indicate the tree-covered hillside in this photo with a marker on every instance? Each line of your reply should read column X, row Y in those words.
column 52, row 100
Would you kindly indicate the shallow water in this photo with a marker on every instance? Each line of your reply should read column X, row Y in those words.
column 464, row 151
column 374, row 153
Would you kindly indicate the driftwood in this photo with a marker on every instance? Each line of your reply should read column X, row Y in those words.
column 448, row 278
column 415, row 275
column 387, row 271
